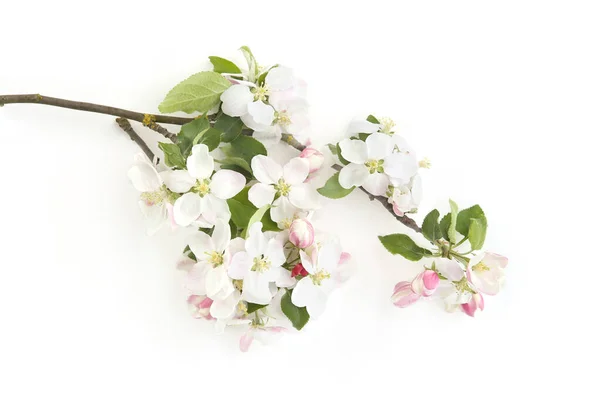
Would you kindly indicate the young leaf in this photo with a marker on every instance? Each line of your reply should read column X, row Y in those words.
column 222, row 65
column 252, row 64
column 189, row 132
column 372, row 119
column 257, row 216
column 445, row 225
column 402, row 244
column 246, row 148
column 297, row 315
column 211, row 138
column 333, row 148
column 363, row 136
column 463, row 221
column 240, row 212
column 252, row 307
column 173, row 157
column 240, row 162
column 453, row 216
column 230, row 126
column 333, row 189
column 477, row 232
column 339, row 154
column 199, row 92
column 269, row 224
column 431, row 227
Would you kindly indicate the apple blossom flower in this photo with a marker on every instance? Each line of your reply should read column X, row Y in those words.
column 425, row 283
column 285, row 182
column 312, row 291
column 403, row 295
column 315, row 158
column 263, row 333
column 486, row 272
column 205, row 192
column 284, row 213
column 259, row 265
column 473, row 305
column 302, row 233
column 405, row 198
column 200, row 306
column 373, row 163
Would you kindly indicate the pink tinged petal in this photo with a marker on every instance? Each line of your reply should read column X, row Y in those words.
column 144, row 177
column 246, row 340
column 296, row 171
column 403, row 295
column 353, row 175
column 302, row 233
column 450, row 269
column 344, row 258
column 218, row 208
column 476, row 303
column 200, row 244
column 495, row 260
column 329, row 256
column 200, row 306
column 236, row 99
column 187, row 209
column 362, row 126
column 170, row 216
column 266, row 170
column 261, row 113
column 280, row 78
column 185, row 264
column 200, row 164
column 315, row 158
column 431, row 280
column 397, row 210
column 155, row 216
column 179, row 181
column 354, row 151
column 226, row 183
column 377, row 184
column 401, row 166
column 196, row 278
column 240, row 265
column 425, row 283
column 379, row 146
column 304, row 196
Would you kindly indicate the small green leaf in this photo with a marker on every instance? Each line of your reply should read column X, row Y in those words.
column 240, row 162
column 477, row 232
column 223, row 65
column 339, row 154
column 363, row 136
column 453, row 216
column 189, row 132
column 333, row 189
column 372, row 119
column 252, row 64
column 246, row 148
column 211, row 138
column 230, row 126
column 269, row 224
column 199, row 92
column 402, row 244
column 240, row 212
column 173, row 157
column 257, row 217
column 445, row 225
column 261, row 79
column 463, row 221
column 252, row 307
column 431, row 227
column 333, row 148
column 297, row 315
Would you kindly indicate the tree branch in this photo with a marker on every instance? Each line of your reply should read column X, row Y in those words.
column 126, row 126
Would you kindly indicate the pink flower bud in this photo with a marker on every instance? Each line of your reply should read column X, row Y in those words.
column 473, row 305
column 315, row 158
column 200, row 306
column 403, row 295
column 302, row 233
column 299, row 270
column 425, row 283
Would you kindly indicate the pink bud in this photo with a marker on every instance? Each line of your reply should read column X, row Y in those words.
column 315, row 158
column 425, row 283
column 403, row 295
column 302, row 233
column 200, row 306
column 475, row 303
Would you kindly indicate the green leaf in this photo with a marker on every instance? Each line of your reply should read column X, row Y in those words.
column 241, row 208
column 402, row 244
column 253, row 307
column 452, row 227
column 431, row 227
column 333, row 148
column 269, row 224
column 189, row 132
column 333, row 189
column 223, row 65
column 173, row 157
column 339, row 154
column 261, row 79
column 240, row 162
column 372, row 119
column 297, row 315
column 257, row 217
column 211, row 138
column 477, row 232
column 445, row 225
column 230, row 126
column 464, row 218
column 199, row 92
column 246, row 148
column 363, row 136
column 252, row 64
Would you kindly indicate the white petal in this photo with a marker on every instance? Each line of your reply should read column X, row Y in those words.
column 379, row 146
column 304, row 292
column 218, row 284
column 215, row 208
column 196, row 278
column 221, row 236
column 200, row 164
column 256, row 289
column 187, row 208
column 261, row 113
column 362, row 126
column 223, row 309
column 377, row 184
column 304, row 196
column 226, row 183
column 154, row 215
column 282, row 210
column 200, row 244
column 308, row 262
column 329, row 256
column 274, row 252
column 179, row 181
column 261, row 194
column 317, row 304
column 236, row 245
column 284, row 280
column 354, row 151
column 256, row 244
column 450, row 269
column 144, row 177
column 280, row 78
column 266, row 170
column 236, row 99
column 296, row 171
column 401, row 166
column 417, row 190
column 353, row 175
column 240, row 265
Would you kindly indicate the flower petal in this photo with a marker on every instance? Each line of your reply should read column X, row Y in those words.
column 246, row 340
column 261, row 113
column 200, row 244
column 226, row 183
column 256, row 288
column 274, row 252
column 240, row 265
column 379, row 146
column 236, row 99
column 218, row 284
column 450, row 269
column 354, row 151
column 377, row 184
column 221, row 236
column 179, row 181
column 256, row 244
column 401, row 166
column 155, row 216
column 329, row 256
column 353, row 175
column 280, row 78
column 225, row 308
column 187, row 209
column 362, row 126
column 304, row 292
column 296, row 171
column 304, row 197
column 196, row 278
column 200, row 164
column 261, row 194
column 266, row 170
column 144, row 177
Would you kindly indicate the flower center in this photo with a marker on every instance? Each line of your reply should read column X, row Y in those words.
column 202, row 187
column 156, row 197
column 463, row 286
column 261, row 264
column 387, row 125
column 480, row 267
column 260, row 93
column 283, row 188
column 242, row 307
column 238, row 284
column 318, row 277
column 215, row 258
column 374, row 166
column 282, row 118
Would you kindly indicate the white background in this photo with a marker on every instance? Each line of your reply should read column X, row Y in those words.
column 503, row 97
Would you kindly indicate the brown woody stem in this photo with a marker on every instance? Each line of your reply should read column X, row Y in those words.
column 126, row 126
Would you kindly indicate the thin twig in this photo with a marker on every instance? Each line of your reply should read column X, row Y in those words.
column 126, row 126
column 162, row 130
